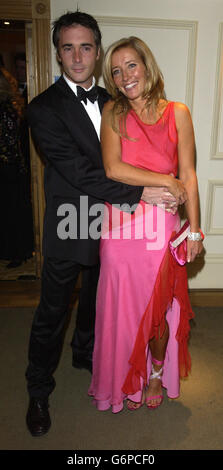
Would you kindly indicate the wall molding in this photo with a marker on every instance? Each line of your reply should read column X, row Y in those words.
column 209, row 227
column 208, row 258
column 214, row 258
column 190, row 26
column 215, row 153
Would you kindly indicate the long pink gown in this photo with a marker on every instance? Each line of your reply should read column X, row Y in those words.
column 140, row 282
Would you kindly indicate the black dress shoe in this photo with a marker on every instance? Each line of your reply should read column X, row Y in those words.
column 38, row 418
column 82, row 363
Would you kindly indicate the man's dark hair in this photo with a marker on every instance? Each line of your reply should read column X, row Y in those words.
column 76, row 18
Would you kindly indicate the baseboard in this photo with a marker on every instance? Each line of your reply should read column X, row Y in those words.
column 206, row 297
column 27, row 294
column 23, row 294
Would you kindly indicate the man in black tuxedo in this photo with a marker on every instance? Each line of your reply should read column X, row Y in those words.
column 65, row 124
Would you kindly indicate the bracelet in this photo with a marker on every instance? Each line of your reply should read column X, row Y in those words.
column 195, row 236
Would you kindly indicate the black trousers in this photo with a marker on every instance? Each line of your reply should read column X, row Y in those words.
column 46, row 340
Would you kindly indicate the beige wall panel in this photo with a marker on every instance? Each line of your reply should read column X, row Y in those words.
column 217, row 127
column 214, row 213
column 172, row 42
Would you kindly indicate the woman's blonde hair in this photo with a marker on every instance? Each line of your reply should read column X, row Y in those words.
column 154, row 89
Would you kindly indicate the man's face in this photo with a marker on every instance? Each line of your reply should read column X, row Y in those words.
column 77, row 53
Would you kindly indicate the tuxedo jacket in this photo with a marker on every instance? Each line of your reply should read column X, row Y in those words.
column 74, row 177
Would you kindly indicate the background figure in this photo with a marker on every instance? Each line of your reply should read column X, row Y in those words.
column 20, row 73
column 16, row 229
column 143, row 308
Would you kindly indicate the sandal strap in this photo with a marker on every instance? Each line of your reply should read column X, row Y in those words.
column 153, row 397
column 156, row 374
column 158, row 363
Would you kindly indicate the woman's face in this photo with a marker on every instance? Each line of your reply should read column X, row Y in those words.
column 129, row 73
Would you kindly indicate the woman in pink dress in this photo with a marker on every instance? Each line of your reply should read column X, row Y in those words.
column 143, row 308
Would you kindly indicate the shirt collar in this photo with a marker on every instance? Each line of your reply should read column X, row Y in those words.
column 73, row 85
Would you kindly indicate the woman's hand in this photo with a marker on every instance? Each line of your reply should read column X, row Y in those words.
column 194, row 248
column 177, row 189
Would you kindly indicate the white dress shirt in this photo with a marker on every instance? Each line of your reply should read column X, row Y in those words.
column 91, row 108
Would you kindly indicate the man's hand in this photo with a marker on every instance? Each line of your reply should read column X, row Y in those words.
column 156, row 195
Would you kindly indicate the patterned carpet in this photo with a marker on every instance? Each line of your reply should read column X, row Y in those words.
column 27, row 269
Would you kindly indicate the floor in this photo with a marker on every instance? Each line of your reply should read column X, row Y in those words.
column 191, row 422
column 25, row 271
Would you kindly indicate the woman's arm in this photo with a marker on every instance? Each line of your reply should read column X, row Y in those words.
column 187, row 174
column 118, row 170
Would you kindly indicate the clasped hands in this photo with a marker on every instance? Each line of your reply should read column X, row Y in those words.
column 158, row 195
column 171, row 198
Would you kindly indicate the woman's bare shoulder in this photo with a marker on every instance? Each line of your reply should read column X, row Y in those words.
column 108, row 116
column 182, row 113
column 181, row 108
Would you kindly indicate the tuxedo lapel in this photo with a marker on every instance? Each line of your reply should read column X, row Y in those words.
column 103, row 96
column 76, row 116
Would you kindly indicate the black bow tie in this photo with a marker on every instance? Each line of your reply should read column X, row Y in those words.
column 82, row 94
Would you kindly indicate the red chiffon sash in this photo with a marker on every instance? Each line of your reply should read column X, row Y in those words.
column 171, row 282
